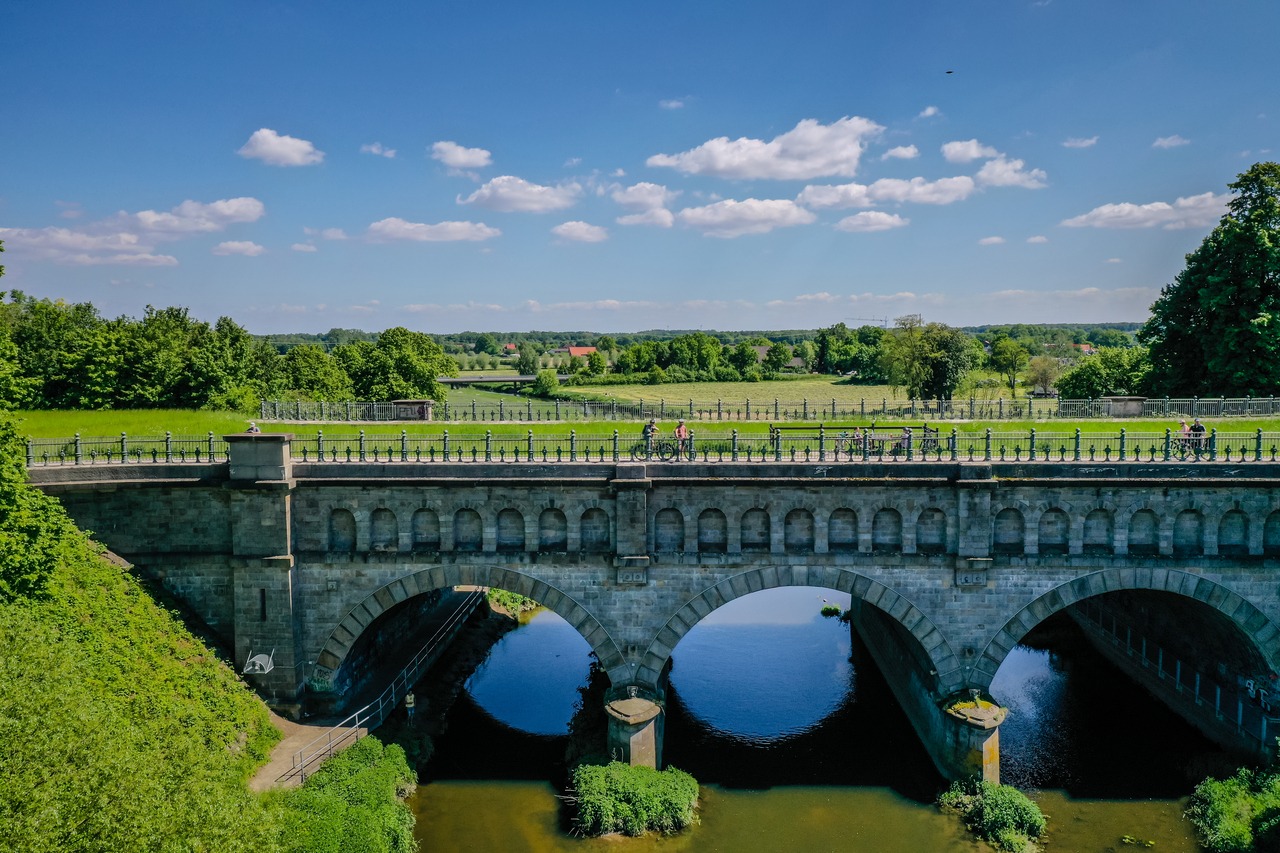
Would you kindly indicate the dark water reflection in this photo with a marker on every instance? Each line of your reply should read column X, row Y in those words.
column 801, row 746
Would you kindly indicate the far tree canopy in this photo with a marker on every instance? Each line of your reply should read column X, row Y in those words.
column 1216, row 329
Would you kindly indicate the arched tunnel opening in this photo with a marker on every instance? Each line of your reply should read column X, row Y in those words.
column 1130, row 694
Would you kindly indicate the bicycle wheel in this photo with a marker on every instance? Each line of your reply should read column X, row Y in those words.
column 666, row 451
column 639, row 452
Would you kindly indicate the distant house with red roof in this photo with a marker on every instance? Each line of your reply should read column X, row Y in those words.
column 574, row 352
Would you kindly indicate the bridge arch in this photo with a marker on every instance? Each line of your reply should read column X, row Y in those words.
column 1252, row 622
column 859, row 586
column 343, row 638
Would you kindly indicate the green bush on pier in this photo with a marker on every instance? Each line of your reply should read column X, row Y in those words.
column 1239, row 814
column 999, row 814
column 617, row 797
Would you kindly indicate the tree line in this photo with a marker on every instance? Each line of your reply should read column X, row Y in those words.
column 1214, row 331
column 60, row 355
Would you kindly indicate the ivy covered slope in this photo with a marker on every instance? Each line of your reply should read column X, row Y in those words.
column 118, row 729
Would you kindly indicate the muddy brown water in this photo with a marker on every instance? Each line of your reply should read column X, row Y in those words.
column 800, row 746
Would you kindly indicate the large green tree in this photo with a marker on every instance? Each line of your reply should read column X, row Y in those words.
column 1008, row 358
column 929, row 360
column 401, row 365
column 1216, row 329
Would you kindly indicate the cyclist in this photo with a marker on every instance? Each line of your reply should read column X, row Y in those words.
column 682, row 439
column 1197, row 436
column 650, row 432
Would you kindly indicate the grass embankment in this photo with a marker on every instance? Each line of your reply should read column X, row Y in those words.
column 121, row 730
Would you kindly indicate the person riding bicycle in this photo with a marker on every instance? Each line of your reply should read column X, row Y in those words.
column 682, row 438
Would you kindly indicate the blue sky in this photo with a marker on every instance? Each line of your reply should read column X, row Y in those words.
column 621, row 166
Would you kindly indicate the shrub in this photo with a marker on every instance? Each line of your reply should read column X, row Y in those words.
column 1238, row 814
column 633, row 800
column 999, row 814
column 353, row 803
column 509, row 602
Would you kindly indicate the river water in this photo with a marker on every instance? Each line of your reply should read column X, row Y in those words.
column 800, row 746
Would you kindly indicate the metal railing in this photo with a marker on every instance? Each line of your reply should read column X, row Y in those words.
column 527, row 410
column 1242, row 705
column 126, row 449
column 794, row 444
column 372, row 715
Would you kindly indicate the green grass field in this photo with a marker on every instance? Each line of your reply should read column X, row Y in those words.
column 183, row 422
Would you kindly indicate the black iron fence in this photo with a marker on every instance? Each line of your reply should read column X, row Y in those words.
column 125, row 448
column 777, row 444
column 534, row 411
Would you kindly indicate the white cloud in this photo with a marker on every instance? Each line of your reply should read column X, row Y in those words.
column 376, row 148
column 731, row 218
column 809, row 150
column 303, row 247
column 901, row 152
column 275, row 149
column 394, row 228
column 671, row 104
column 916, row 190
column 843, row 195
column 197, row 217
column 871, row 220
column 1115, row 260
column 644, row 196
column 1002, row 172
column 1039, row 238
column 326, row 233
column 919, row 191
column 581, row 232
column 991, row 241
column 510, row 194
column 1170, row 142
column 967, row 151
column 1197, row 211
column 131, row 238
column 928, row 112
column 658, row 216
column 455, row 156
column 1080, row 142
column 78, row 248
column 239, row 247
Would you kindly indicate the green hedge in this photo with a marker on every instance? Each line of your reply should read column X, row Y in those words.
column 633, row 800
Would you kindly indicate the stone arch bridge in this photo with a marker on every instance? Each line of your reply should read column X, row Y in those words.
column 948, row 564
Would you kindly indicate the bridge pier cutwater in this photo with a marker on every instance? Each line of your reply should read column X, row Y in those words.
column 948, row 564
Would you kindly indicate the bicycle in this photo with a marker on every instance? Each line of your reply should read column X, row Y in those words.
column 1186, row 447
column 664, row 450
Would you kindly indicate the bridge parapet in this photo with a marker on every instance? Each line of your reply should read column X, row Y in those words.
column 964, row 558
